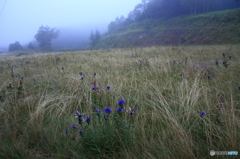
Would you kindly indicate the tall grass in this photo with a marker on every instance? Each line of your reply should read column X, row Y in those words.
column 167, row 86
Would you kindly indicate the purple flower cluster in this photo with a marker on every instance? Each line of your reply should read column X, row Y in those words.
column 80, row 120
column 106, row 110
column 81, row 73
column 79, row 116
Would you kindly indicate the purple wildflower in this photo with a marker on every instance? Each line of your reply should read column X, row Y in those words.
column 119, row 109
column 216, row 62
column 94, row 74
column 78, row 114
column 106, row 115
column 108, row 87
column 79, row 120
column 121, row 102
column 97, row 110
column 80, row 73
column 107, row 109
column 80, row 132
column 202, row 113
column 74, row 126
column 88, row 119
column 66, row 131
column 132, row 112
column 225, row 63
column 219, row 106
column 223, row 54
column 95, row 87
column 209, row 77
column 81, row 115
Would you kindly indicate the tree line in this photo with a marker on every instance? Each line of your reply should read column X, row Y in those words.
column 154, row 9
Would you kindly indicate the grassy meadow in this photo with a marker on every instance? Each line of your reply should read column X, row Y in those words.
column 162, row 102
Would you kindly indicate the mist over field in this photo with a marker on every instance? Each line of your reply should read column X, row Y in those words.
column 20, row 20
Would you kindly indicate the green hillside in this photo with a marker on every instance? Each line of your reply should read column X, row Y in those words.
column 222, row 27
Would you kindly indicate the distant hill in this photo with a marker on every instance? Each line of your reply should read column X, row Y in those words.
column 222, row 27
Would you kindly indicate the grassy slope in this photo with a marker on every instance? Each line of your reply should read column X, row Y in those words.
column 167, row 124
column 211, row 28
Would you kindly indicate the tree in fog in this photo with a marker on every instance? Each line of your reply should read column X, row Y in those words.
column 112, row 26
column 15, row 46
column 94, row 38
column 30, row 46
column 45, row 35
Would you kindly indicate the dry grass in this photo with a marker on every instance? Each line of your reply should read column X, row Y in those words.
column 168, row 86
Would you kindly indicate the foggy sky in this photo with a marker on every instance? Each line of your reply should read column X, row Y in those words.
column 21, row 19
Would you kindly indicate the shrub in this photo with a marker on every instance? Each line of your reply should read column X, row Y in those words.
column 15, row 46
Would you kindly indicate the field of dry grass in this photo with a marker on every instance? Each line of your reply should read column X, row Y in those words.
column 177, row 102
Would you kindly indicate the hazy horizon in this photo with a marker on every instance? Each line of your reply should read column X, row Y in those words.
column 20, row 20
